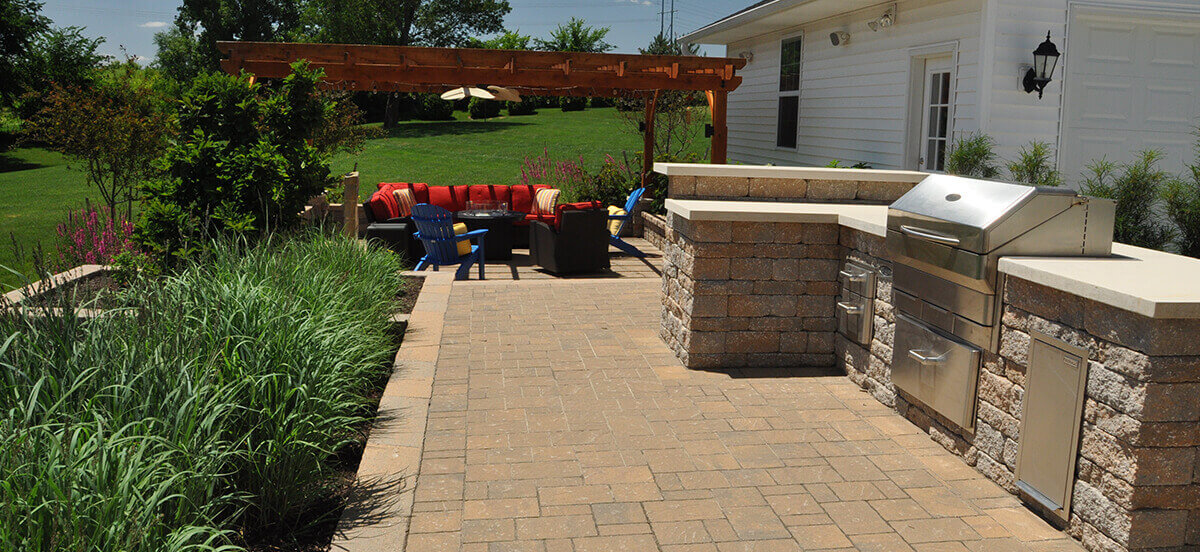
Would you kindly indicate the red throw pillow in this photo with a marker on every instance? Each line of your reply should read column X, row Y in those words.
column 582, row 206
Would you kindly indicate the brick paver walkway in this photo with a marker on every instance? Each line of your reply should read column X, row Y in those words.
column 559, row 421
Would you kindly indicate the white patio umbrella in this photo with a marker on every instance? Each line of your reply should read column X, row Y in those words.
column 504, row 94
column 468, row 92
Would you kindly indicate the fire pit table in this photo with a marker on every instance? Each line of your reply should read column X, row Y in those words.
column 499, row 224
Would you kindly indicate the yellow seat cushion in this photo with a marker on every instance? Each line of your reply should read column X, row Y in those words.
column 614, row 225
column 464, row 246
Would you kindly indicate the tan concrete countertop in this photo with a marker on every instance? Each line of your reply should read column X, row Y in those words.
column 867, row 218
column 803, row 173
column 1148, row 282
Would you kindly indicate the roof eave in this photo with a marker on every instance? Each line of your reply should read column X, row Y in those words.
column 723, row 25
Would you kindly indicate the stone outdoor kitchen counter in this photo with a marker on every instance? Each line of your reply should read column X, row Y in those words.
column 751, row 279
column 1143, row 281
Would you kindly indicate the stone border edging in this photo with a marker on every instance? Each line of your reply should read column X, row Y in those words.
column 377, row 517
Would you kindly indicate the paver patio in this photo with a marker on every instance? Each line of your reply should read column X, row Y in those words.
column 559, row 421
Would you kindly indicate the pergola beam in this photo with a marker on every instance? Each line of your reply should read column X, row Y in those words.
column 415, row 69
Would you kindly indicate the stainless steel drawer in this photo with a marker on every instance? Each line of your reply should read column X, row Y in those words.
column 957, row 265
column 856, row 317
column 858, row 278
column 936, row 369
column 966, row 302
column 979, row 335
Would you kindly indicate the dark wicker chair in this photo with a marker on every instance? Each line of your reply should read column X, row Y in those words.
column 577, row 243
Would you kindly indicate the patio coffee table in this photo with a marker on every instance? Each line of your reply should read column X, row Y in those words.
column 499, row 223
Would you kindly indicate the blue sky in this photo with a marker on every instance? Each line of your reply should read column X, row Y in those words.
column 132, row 23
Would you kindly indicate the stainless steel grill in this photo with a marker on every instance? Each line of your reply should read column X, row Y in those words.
column 946, row 237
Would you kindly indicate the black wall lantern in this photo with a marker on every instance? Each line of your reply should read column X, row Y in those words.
column 1045, row 57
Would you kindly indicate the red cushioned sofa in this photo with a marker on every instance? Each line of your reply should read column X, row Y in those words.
column 382, row 206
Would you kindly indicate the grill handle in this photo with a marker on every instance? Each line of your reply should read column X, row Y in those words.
column 925, row 358
column 928, row 235
column 857, row 276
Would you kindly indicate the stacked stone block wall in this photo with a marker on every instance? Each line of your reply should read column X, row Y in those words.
column 742, row 294
column 1138, row 471
column 731, row 188
column 654, row 230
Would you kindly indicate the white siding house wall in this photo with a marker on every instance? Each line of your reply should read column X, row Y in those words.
column 854, row 99
column 1012, row 117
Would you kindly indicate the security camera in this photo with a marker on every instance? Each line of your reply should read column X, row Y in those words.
column 840, row 38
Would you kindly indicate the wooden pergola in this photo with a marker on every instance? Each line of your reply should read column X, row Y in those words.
column 414, row 69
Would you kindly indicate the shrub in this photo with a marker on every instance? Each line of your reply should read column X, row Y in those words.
column 93, row 236
column 601, row 102
column 480, row 108
column 246, row 161
column 1182, row 197
column 526, row 107
column 610, row 185
column 431, row 107
column 1035, row 166
column 206, row 418
column 973, row 156
column 10, row 130
column 571, row 103
column 1135, row 187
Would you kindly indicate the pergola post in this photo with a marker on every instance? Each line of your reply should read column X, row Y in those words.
column 720, row 134
column 648, row 138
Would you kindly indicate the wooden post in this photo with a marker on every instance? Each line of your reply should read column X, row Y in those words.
column 648, row 137
column 720, row 136
column 350, row 204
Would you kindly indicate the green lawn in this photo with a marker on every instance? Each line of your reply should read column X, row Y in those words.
column 38, row 189
column 36, row 192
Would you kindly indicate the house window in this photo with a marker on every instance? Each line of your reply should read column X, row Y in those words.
column 789, row 93
column 935, row 124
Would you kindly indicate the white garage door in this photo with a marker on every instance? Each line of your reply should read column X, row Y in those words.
column 1133, row 83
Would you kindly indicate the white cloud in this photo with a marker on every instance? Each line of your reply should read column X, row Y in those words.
column 153, row 24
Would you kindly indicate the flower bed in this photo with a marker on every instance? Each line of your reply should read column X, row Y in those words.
column 217, row 415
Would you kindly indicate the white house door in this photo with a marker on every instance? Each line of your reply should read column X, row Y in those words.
column 936, row 113
column 1132, row 83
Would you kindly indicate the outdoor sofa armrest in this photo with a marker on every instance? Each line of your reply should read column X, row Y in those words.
column 399, row 220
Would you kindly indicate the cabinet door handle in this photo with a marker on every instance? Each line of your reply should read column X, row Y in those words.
column 850, row 308
column 924, row 357
column 853, row 276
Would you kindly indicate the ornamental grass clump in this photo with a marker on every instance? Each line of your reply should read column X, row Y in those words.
column 206, row 415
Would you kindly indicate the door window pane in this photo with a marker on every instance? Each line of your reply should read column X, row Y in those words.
column 789, row 65
column 789, row 120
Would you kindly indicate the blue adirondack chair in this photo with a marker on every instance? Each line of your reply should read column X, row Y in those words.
column 435, row 228
column 615, row 239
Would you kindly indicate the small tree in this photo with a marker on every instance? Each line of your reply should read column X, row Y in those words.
column 679, row 115
column 247, row 159
column 576, row 36
column 1034, row 166
column 1135, row 187
column 973, row 156
column 114, row 131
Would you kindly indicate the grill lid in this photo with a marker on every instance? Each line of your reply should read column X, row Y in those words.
column 975, row 215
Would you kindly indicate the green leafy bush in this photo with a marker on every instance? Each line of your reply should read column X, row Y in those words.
column 526, row 107
column 207, row 414
column 431, row 107
column 601, row 102
column 1182, row 197
column 245, row 161
column 571, row 103
column 609, row 185
column 973, row 156
column 480, row 108
column 10, row 130
column 1035, row 166
column 1135, row 187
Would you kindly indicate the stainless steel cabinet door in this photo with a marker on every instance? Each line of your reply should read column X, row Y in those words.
column 937, row 370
